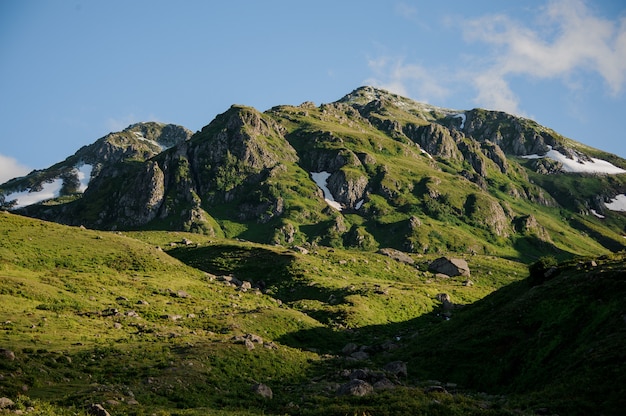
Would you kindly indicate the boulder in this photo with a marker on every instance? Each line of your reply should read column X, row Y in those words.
column 262, row 390
column 355, row 388
column 450, row 267
column 397, row 255
column 5, row 402
column 7, row 355
column 97, row 410
column 397, row 368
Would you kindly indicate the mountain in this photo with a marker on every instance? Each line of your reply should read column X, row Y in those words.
column 374, row 255
column 368, row 171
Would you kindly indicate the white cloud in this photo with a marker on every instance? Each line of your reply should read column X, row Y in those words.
column 568, row 41
column 393, row 74
column 119, row 124
column 11, row 168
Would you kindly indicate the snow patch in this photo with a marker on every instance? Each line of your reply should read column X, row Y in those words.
column 139, row 136
column 463, row 117
column 49, row 190
column 321, row 179
column 617, row 204
column 579, row 165
column 359, row 205
column 594, row 212
column 83, row 172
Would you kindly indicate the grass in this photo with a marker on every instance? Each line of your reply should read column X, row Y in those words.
column 142, row 323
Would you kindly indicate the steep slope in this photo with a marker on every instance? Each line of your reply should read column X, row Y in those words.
column 370, row 170
column 70, row 178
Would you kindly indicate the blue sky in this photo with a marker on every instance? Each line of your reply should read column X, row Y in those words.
column 73, row 71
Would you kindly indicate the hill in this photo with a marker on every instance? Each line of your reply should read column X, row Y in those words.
column 176, row 323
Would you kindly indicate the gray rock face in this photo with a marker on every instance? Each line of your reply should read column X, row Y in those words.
column 450, row 267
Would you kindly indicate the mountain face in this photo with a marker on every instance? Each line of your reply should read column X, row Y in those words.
column 370, row 170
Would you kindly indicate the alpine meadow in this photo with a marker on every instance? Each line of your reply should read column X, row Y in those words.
column 370, row 256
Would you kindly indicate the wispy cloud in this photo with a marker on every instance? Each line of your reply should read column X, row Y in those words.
column 11, row 168
column 118, row 124
column 393, row 74
column 566, row 42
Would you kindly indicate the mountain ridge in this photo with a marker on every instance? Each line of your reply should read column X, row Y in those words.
column 388, row 159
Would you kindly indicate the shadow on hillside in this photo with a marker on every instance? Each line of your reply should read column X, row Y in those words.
column 271, row 271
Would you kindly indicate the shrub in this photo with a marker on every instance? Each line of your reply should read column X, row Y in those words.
column 542, row 270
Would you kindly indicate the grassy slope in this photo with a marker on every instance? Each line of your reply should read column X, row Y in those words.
column 67, row 296
column 558, row 345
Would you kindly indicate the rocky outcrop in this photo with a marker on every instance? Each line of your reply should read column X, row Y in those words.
column 435, row 139
column 347, row 187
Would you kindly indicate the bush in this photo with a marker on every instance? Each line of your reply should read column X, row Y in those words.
column 542, row 270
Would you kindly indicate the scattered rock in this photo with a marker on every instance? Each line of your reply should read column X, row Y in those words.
column 384, row 384
column 7, row 354
column 262, row 390
column 349, row 348
column 450, row 267
column 468, row 283
column 97, row 410
column 355, row 388
column 397, row 255
column 5, row 402
column 397, row 368
column 359, row 355
column 444, row 298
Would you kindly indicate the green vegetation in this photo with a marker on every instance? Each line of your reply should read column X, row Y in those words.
column 259, row 281
column 145, row 323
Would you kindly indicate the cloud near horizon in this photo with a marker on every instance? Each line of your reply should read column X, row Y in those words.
column 566, row 42
column 11, row 168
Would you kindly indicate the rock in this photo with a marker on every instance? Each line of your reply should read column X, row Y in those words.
column 262, row 390
column 397, row 255
column 397, row 368
column 97, row 410
column 359, row 355
column 5, row 402
column 360, row 374
column 450, row 267
column 355, row 388
column 349, row 348
column 7, row 355
column 182, row 294
column 444, row 298
column 384, row 384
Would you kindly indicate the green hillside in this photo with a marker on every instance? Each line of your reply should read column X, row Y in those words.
column 165, row 323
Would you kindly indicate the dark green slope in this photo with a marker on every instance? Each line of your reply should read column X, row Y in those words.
column 557, row 345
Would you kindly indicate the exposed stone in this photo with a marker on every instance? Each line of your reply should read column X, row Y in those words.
column 397, row 368
column 5, row 402
column 349, row 348
column 262, row 390
column 97, row 410
column 355, row 388
column 6, row 354
column 450, row 267
column 397, row 255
